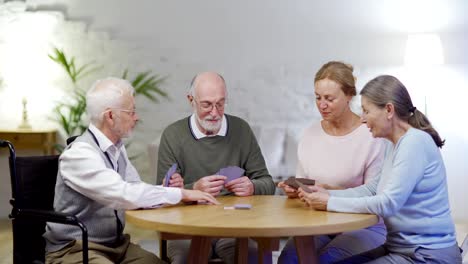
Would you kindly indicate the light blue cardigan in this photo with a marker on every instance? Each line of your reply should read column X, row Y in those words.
column 410, row 194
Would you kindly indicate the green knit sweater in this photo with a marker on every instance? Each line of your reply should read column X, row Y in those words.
column 197, row 158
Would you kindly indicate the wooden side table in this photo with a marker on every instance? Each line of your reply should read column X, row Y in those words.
column 32, row 139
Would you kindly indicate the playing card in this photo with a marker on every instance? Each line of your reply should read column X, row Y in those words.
column 169, row 173
column 303, row 186
column 292, row 181
column 242, row 206
column 231, row 172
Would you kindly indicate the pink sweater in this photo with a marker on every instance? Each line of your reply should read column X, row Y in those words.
column 344, row 161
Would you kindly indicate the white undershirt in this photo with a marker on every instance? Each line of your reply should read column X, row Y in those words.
column 198, row 134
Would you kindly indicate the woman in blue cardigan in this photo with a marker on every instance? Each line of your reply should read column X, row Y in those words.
column 411, row 192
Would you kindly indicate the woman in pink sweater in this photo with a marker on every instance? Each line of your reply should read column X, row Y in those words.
column 338, row 152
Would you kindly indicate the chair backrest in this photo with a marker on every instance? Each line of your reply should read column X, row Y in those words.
column 33, row 187
column 153, row 149
column 34, row 182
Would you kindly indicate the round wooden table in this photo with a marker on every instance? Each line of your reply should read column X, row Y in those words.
column 270, row 218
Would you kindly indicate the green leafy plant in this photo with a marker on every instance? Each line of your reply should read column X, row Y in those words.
column 147, row 84
column 70, row 114
column 74, row 72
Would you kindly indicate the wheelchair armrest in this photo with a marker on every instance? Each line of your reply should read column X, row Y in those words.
column 55, row 217
column 48, row 216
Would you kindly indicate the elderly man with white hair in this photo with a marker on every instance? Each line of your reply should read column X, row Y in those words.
column 203, row 143
column 97, row 182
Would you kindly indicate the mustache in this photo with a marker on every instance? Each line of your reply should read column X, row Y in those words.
column 211, row 118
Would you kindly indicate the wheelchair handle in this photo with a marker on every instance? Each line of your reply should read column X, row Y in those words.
column 3, row 143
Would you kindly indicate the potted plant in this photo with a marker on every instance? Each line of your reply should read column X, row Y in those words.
column 70, row 113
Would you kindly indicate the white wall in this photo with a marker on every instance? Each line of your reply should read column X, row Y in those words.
column 268, row 52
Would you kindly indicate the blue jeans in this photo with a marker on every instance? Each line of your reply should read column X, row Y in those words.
column 381, row 255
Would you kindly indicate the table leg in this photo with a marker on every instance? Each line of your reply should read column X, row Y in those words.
column 265, row 246
column 242, row 250
column 199, row 250
column 305, row 247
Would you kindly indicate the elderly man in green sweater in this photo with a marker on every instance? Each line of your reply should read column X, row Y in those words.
column 201, row 145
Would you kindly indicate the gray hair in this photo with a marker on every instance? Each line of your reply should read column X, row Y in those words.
column 191, row 91
column 386, row 89
column 106, row 94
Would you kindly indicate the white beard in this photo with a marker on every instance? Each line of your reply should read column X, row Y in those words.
column 208, row 125
column 117, row 129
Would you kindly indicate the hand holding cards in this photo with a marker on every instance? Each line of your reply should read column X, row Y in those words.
column 304, row 187
column 293, row 182
column 169, row 174
column 236, row 182
column 231, row 172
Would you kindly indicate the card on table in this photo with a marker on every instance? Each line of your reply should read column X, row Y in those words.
column 242, row 206
column 231, row 172
column 169, row 173
column 238, row 207
column 292, row 181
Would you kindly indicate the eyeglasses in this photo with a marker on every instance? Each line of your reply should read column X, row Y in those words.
column 132, row 112
column 208, row 107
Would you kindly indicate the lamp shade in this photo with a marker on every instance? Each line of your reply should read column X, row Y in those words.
column 423, row 50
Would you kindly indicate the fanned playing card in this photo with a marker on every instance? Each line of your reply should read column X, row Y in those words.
column 169, row 173
column 292, row 181
column 231, row 172
column 303, row 187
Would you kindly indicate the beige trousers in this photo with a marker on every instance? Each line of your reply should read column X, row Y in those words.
column 125, row 253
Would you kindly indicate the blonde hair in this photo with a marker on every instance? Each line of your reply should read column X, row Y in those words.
column 340, row 73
